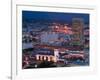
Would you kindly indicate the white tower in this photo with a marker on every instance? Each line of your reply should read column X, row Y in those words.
column 56, row 54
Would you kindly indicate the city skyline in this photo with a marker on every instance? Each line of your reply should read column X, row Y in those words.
column 54, row 39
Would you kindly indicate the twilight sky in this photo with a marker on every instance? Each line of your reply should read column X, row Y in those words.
column 54, row 16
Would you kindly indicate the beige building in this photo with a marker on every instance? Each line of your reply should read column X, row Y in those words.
column 77, row 27
column 49, row 57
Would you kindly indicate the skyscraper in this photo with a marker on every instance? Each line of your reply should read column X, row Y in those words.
column 77, row 27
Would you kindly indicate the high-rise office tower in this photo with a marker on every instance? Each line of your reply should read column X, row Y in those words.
column 77, row 27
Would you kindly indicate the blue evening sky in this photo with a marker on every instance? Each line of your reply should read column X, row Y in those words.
column 54, row 16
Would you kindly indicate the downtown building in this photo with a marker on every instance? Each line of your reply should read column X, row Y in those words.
column 77, row 27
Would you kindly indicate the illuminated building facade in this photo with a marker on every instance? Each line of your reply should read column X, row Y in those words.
column 62, row 29
column 48, row 57
column 77, row 26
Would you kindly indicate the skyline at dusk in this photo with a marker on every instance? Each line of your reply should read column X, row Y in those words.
column 54, row 39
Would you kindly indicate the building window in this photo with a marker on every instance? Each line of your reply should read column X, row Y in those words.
column 51, row 59
column 42, row 57
column 46, row 58
column 39, row 57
